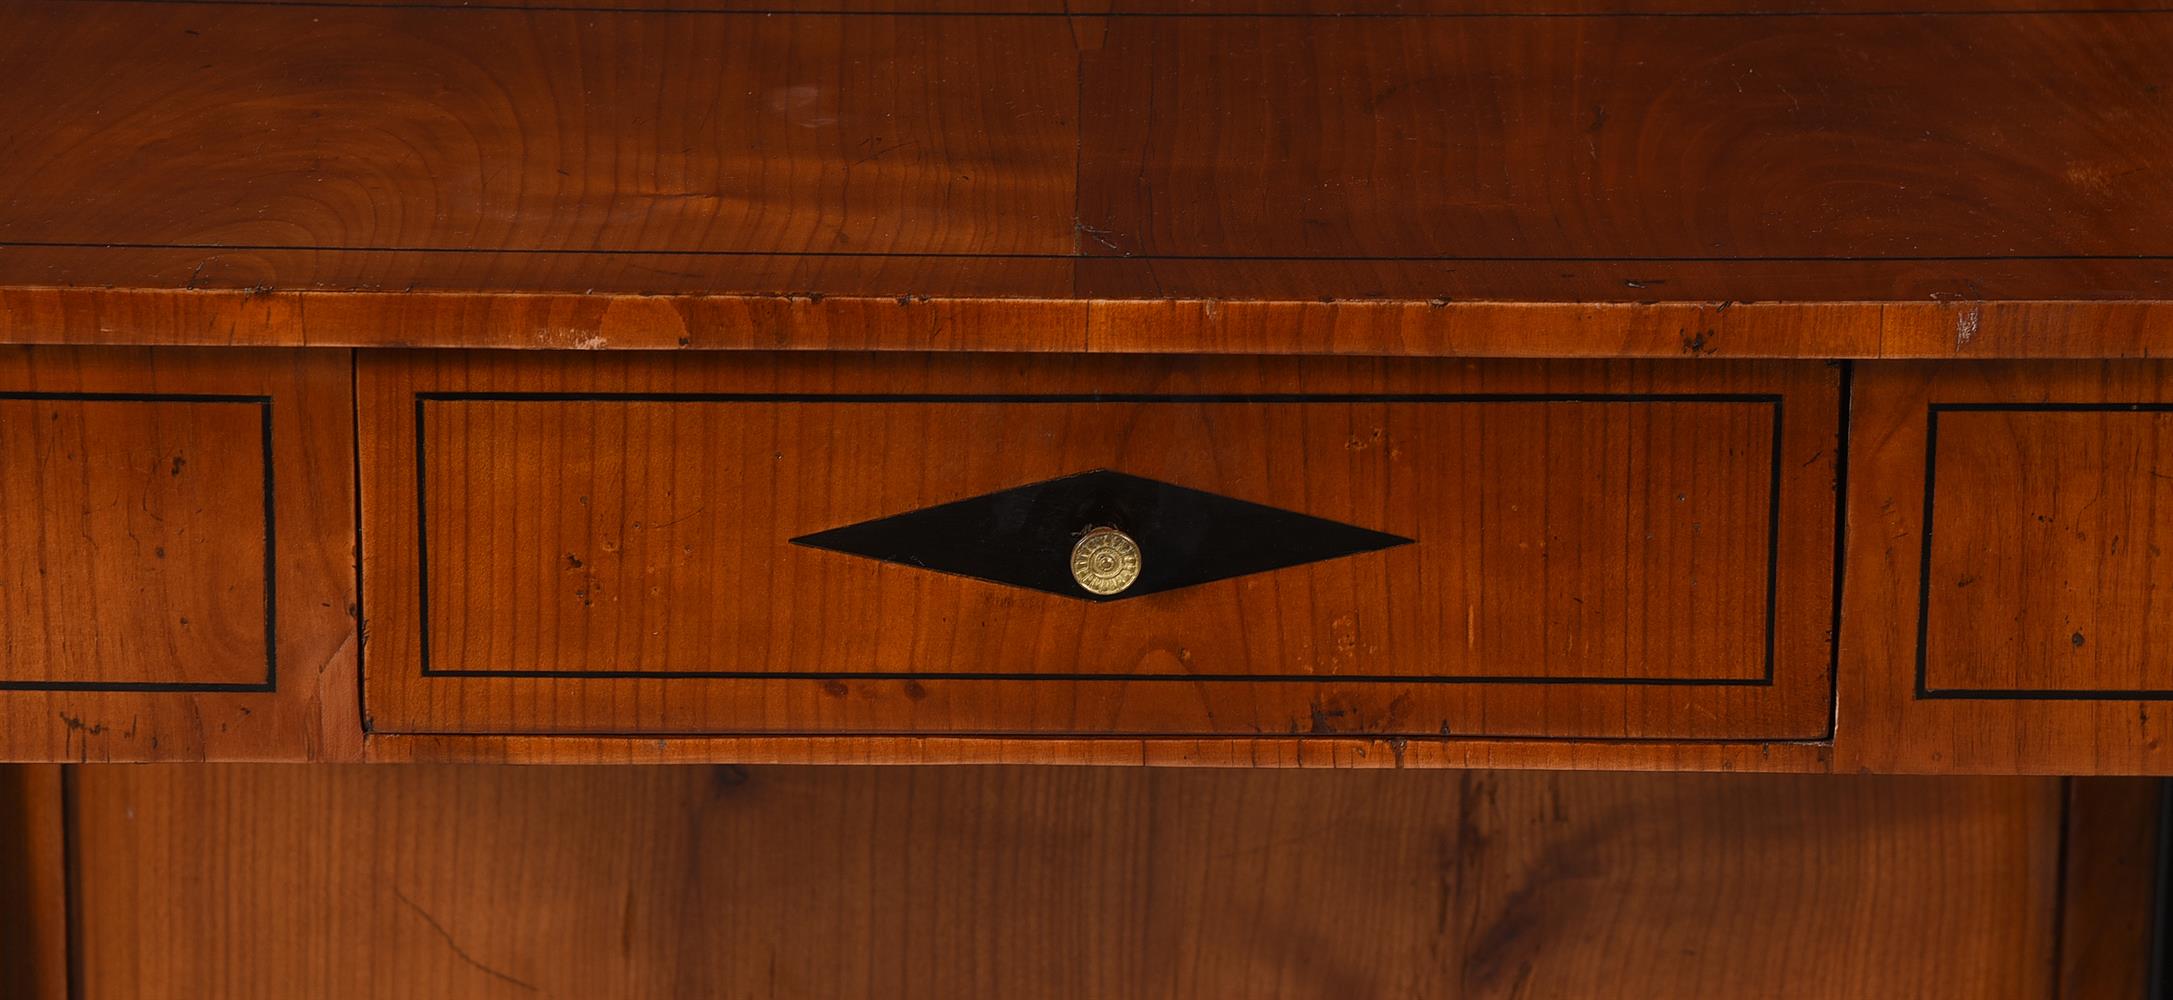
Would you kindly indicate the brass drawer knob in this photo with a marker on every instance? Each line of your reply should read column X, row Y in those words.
column 1105, row 561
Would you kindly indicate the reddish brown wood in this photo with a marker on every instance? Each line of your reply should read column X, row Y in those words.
column 774, row 7
column 2045, row 521
column 1528, row 8
column 909, row 322
column 405, row 882
column 137, row 531
column 1687, row 138
column 33, row 883
column 1485, row 329
column 384, row 128
column 1667, row 138
column 913, row 323
column 2107, row 901
column 2045, row 545
column 750, row 164
column 147, row 548
column 1458, row 284
column 2049, row 330
column 1239, row 178
column 602, row 547
column 27, row 269
column 1376, row 8
column 1331, row 752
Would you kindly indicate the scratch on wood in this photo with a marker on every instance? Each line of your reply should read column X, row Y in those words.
column 455, row 945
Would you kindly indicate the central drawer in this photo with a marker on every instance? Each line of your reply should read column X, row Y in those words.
column 579, row 543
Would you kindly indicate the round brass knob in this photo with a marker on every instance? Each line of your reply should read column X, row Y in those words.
column 1105, row 561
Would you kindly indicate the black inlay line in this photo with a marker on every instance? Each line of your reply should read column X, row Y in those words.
column 1840, row 545
column 138, row 397
column 2061, row 846
column 361, row 617
column 2052, row 407
column 422, row 531
column 1773, row 538
column 681, row 736
column 1077, row 678
column 140, row 687
column 1072, row 256
column 71, row 876
column 271, row 555
column 1077, row 398
column 2043, row 694
column 1924, row 690
column 422, row 540
column 1924, row 553
column 1140, row 15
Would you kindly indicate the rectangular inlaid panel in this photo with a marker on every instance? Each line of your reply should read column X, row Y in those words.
column 2006, row 569
column 1326, row 548
column 2045, row 550
column 176, row 554
column 136, row 543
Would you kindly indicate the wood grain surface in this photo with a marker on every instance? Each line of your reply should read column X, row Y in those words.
column 2045, row 542
column 2113, row 834
column 1369, row 8
column 1272, row 753
column 388, row 128
column 1605, row 564
column 2012, row 631
column 1627, row 138
column 33, row 883
column 139, row 532
column 649, row 536
column 775, row 882
column 149, row 540
column 925, row 321
column 1688, row 179
column 1724, row 138
column 714, row 174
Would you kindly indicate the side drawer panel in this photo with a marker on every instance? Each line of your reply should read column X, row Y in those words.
column 2010, row 595
column 177, row 529
column 711, row 545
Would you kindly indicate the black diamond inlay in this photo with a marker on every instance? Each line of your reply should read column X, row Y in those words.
column 1023, row 536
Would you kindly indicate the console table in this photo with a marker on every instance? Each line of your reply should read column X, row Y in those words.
column 1653, row 385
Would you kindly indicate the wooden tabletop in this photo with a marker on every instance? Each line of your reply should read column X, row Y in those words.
column 1854, row 178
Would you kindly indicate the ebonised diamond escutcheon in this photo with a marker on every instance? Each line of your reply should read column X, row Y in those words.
column 1025, row 536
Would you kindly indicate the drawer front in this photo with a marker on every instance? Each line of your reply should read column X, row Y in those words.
column 2007, row 605
column 178, row 577
column 645, row 544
